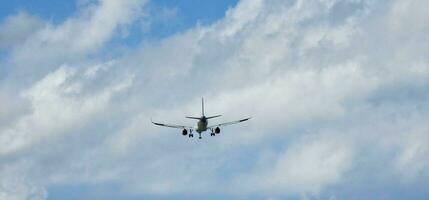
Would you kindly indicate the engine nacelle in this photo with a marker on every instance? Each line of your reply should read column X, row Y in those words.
column 185, row 132
column 217, row 130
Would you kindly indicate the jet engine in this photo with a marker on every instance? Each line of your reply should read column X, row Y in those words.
column 217, row 130
column 185, row 132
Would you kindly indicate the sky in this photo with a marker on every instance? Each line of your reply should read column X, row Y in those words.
column 338, row 92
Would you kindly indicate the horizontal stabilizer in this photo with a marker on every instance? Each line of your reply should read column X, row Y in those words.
column 213, row 116
column 193, row 117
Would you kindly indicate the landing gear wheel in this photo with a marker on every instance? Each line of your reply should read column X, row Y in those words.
column 201, row 137
column 191, row 135
column 212, row 134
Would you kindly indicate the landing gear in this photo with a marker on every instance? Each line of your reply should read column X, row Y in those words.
column 191, row 135
column 200, row 136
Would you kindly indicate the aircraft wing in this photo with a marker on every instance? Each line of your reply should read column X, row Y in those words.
column 229, row 123
column 173, row 126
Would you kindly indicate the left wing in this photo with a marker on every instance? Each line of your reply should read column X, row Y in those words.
column 173, row 126
column 229, row 123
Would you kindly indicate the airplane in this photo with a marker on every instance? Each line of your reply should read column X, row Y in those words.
column 202, row 124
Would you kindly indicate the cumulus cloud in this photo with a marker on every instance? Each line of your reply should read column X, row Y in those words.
column 57, row 104
column 305, row 167
column 15, row 29
column 74, row 39
column 337, row 89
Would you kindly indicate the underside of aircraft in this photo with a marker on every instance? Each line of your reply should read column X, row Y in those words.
column 202, row 124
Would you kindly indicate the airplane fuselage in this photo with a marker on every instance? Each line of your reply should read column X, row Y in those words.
column 202, row 125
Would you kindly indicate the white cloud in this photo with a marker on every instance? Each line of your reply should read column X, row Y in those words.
column 335, row 102
column 16, row 28
column 411, row 164
column 58, row 105
column 305, row 167
column 74, row 39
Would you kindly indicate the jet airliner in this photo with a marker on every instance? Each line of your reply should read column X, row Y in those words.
column 202, row 124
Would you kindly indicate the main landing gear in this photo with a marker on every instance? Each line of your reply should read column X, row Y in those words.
column 199, row 134
column 212, row 133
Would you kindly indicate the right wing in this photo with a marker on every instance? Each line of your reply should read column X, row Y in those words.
column 172, row 126
column 229, row 123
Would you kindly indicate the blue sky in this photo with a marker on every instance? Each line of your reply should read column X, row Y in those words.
column 186, row 14
column 190, row 11
column 49, row 10
column 338, row 92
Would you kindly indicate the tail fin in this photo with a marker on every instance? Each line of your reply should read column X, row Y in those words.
column 202, row 106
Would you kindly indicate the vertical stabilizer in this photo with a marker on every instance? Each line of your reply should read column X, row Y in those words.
column 202, row 105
